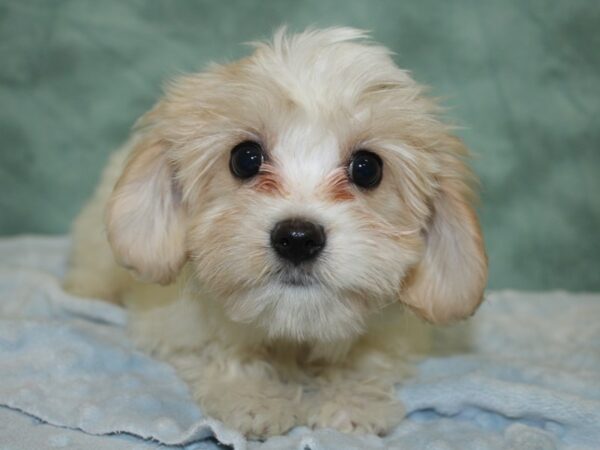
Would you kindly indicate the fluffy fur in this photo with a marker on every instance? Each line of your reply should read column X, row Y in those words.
column 260, row 354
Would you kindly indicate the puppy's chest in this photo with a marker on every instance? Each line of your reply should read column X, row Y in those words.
column 308, row 360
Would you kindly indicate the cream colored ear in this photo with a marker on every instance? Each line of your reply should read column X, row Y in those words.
column 449, row 281
column 144, row 218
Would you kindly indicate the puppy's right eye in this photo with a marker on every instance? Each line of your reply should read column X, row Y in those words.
column 246, row 159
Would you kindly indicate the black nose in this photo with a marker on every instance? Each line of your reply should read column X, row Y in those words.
column 297, row 240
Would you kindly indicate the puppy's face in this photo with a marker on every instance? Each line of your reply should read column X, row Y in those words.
column 307, row 186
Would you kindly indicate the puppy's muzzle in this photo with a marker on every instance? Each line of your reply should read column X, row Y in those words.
column 298, row 240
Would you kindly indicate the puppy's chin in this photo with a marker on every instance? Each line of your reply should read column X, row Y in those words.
column 299, row 308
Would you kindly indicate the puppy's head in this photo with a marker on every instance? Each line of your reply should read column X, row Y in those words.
column 307, row 185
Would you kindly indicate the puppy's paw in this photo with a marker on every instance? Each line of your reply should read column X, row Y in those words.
column 364, row 409
column 256, row 410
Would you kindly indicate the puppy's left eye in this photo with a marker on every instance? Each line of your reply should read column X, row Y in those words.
column 365, row 169
column 246, row 159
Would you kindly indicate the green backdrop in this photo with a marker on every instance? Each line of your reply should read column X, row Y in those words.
column 522, row 77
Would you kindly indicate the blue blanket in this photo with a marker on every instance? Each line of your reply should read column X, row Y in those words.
column 523, row 374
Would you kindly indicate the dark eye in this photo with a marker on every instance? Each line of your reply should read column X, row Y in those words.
column 365, row 169
column 246, row 159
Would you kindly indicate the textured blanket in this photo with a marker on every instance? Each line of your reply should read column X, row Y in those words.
column 523, row 374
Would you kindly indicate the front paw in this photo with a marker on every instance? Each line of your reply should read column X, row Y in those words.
column 359, row 409
column 257, row 410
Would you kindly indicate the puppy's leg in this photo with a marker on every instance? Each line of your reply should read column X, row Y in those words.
column 93, row 271
column 224, row 364
column 357, row 394
column 245, row 393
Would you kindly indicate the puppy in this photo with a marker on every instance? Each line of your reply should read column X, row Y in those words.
column 291, row 204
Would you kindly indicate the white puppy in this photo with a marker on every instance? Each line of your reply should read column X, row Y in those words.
column 294, row 200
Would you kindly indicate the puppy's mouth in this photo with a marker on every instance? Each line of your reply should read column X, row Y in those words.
column 296, row 277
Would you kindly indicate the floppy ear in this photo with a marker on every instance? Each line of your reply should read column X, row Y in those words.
column 145, row 219
column 449, row 281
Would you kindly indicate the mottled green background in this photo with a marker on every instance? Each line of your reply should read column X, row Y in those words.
column 522, row 77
